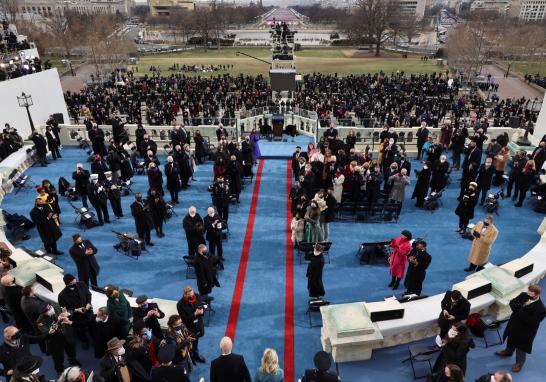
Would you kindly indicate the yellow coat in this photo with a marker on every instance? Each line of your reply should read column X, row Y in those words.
column 479, row 252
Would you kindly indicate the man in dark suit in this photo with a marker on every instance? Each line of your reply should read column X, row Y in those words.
column 220, row 132
column 484, row 179
column 455, row 308
column 16, row 347
column 191, row 222
column 81, row 177
column 83, row 253
column 331, row 134
column 76, row 299
column 47, row 224
column 418, row 262
column 149, row 313
column 12, row 298
column 295, row 161
column 213, row 227
column 143, row 218
column 98, row 198
column 528, row 311
column 103, row 329
column 320, row 373
column 179, row 136
column 205, row 271
column 229, row 367
column 166, row 371
column 40, row 144
column 422, row 136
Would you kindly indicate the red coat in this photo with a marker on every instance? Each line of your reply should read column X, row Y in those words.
column 399, row 256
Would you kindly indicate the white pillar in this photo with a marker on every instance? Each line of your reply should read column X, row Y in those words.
column 540, row 125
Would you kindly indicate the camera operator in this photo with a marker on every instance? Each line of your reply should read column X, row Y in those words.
column 60, row 339
column 81, row 177
column 191, row 309
column 221, row 197
column 98, row 198
column 114, row 194
column 143, row 219
column 76, row 299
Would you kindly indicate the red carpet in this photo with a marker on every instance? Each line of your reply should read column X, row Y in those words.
column 241, row 272
column 289, row 290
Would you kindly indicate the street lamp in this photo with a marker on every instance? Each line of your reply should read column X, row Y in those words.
column 26, row 101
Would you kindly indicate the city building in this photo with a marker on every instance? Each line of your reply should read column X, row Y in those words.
column 500, row 6
column 529, row 10
column 47, row 8
column 413, row 8
column 165, row 7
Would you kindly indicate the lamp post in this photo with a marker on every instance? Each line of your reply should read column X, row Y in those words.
column 26, row 101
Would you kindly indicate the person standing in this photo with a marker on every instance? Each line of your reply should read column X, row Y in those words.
column 420, row 191
column 213, row 227
column 314, row 273
column 113, row 367
column 254, row 139
column 465, row 208
column 397, row 261
column 81, row 177
column 98, row 198
column 229, row 366
column 103, row 329
column 191, row 309
column 114, row 194
column 422, row 136
column 143, row 220
column 119, row 308
column 158, row 211
column 83, row 253
column 166, row 371
column 500, row 165
column 16, row 348
column 525, row 181
column 47, row 225
column 221, row 197
column 269, row 370
column 321, row 371
column 418, row 262
column 484, row 179
column 12, row 297
column 455, row 308
column 190, row 223
column 172, row 173
column 528, row 311
column 485, row 234
column 40, row 145
column 399, row 182
column 76, row 299
column 205, row 271
column 53, row 143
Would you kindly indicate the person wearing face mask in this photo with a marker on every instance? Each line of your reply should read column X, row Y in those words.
column 76, row 299
column 81, row 178
column 103, row 329
column 220, row 191
column 179, row 336
column 399, row 181
column 149, row 313
column 440, row 170
column 60, row 338
column 213, row 226
column 158, row 211
column 12, row 297
column 499, row 376
column 137, row 353
column 147, row 144
column 484, row 179
column 114, row 194
column 518, row 163
column 172, row 173
column 235, row 174
column 16, row 347
column 465, row 208
column 455, row 308
column 83, row 253
column 450, row 373
column 150, row 158
column 99, row 166
column 119, row 308
column 190, row 223
column 113, row 367
column 140, row 210
column 205, row 271
column 418, row 262
column 454, row 348
column 45, row 219
column 155, row 178
column 525, row 180
column 99, row 198
column 422, row 136
column 528, row 311
column 191, row 308
column 314, row 273
column 485, row 234
column 166, row 371
column 420, row 191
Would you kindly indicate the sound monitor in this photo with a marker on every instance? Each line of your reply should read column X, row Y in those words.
column 473, row 287
column 384, row 310
column 518, row 267
column 50, row 279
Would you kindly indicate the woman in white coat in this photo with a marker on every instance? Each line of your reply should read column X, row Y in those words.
column 338, row 180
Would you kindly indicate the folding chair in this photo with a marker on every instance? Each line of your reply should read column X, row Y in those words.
column 304, row 248
column 209, row 310
column 326, row 245
column 190, row 267
column 420, row 353
column 492, row 325
column 313, row 306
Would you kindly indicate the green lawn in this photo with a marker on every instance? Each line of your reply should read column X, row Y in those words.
column 336, row 60
column 523, row 68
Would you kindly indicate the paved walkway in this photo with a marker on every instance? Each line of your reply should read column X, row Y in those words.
column 511, row 87
column 77, row 82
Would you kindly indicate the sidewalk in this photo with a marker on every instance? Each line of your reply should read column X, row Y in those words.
column 77, row 82
column 511, row 87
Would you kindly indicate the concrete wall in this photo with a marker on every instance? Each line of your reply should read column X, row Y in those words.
column 47, row 95
column 540, row 126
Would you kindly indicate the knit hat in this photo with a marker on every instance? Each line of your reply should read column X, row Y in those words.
column 68, row 278
column 322, row 361
column 407, row 234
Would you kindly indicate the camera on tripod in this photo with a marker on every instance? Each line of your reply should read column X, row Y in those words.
column 128, row 245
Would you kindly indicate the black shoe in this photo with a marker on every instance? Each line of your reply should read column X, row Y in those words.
column 469, row 269
column 391, row 284
column 199, row 359
column 58, row 253
column 107, row 221
column 518, row 205
column 150, row 244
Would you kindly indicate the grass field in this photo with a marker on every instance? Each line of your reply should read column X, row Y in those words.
column 341, row 61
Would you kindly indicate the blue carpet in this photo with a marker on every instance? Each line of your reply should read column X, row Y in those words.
column 160, row 273
column 284, row 148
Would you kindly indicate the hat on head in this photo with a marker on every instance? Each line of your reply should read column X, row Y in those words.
column 407, row 234
column 165, row 353
column 40, row 188
column 94, row 176
column 473, row 184
column 114, row 343
column 26, row 366
column 68, row 278
column 141, row 299
column 107, row 173
column 322, row 361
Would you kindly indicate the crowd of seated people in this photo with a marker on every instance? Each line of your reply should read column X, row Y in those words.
column 197, row 68
column 10, row 141
column 9, row 41
column 18, row 67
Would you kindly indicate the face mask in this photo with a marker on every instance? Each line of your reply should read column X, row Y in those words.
column 144, row 306
column 425, row 167
column 72, row 287
column 50, row 312
column 177, row 328
column 121, row 351
column 109, row 178
column 16, row 336
column 452, row 333
column 36, row 371
column 486, row 224
column 148, row 334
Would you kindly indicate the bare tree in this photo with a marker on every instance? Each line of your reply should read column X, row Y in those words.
column 410, row 27
column 65, row 29
column 218, row 21
column 204, row 26
column 9, row 9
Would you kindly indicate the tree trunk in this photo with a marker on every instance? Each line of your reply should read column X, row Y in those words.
column 377, row 48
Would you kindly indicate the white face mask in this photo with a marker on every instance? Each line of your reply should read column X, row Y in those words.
column 51, row 312
column 425, row 167
column 36, row 371
column 452, row 333
column 121, row 351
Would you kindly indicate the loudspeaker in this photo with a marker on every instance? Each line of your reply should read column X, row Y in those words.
column 384, row 310
column 518, row 267
column 51, row 279
column 473, row 287
column 58, row 117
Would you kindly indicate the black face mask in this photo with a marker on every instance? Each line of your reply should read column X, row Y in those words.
column 485, row 224
column 16, row 336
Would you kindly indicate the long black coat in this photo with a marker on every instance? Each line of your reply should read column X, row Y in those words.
column 314, row 276
column 460, row 311
column 158, row 210
column 416, row 273
column 47, row 228
column 102, row 332
column 206, row 274
column 454, row 352
column 12, row 297
column 173, row 176
column 40, row 144
column 84, row 263
column 235, row 172
column 523, row 325
column 155, row 180
column 421, row 186
column 10, row 356
column 213, row 232
column 186, row 310
column 439, row 172
column 485, row 176
column 143, row 218
column 97, row 195
column 81, row 181
column 465, row 209
column 151, row 322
